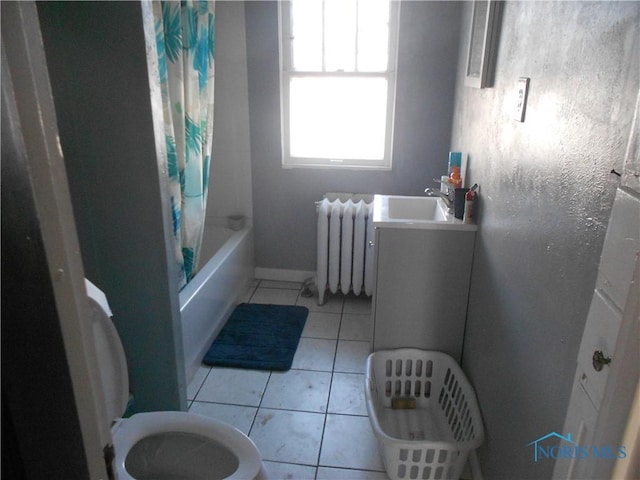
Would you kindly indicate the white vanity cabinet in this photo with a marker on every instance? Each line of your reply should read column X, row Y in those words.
column 422, row 287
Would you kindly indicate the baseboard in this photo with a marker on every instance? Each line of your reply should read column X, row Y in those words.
column 283, row 275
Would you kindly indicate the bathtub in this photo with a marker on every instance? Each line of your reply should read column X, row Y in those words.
column 209, row 298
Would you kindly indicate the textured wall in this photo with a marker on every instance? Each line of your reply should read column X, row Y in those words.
column 546, row 195
column 283, row 200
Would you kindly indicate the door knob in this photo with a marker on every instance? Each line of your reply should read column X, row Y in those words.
column 599, row 360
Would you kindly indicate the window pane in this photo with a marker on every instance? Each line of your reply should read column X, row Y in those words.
column 338, row 118
column 340, row 35
column 306, row 28
column 373, row 35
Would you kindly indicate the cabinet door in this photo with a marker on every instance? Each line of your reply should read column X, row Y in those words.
column 422, row 289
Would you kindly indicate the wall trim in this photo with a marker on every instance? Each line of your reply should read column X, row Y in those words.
column 284, row 275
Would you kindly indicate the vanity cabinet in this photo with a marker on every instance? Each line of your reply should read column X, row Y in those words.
column 422, row 288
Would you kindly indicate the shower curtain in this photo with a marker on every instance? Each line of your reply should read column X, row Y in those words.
column 186, row 52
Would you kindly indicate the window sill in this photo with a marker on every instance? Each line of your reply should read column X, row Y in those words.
column 338, row 166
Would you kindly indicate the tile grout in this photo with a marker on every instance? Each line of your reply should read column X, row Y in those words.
column 250, row 297
column 324, row 423
column 255, row 415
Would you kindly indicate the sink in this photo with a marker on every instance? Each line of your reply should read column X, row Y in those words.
column 427, row 213
column 416, row 208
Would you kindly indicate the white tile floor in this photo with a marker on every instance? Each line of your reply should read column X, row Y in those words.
column 311, row 421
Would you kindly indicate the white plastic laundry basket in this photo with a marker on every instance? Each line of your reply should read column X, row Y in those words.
column 438, row 422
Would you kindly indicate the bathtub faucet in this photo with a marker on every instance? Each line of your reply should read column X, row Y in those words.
column 446, row 197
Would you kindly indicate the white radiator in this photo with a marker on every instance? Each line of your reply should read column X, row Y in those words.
column 345, row 244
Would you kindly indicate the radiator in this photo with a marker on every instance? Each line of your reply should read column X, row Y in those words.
column 346, row 254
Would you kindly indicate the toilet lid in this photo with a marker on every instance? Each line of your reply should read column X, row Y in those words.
column 112, row 362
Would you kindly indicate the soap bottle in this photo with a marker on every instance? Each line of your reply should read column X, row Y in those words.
column 469, row 199
column 455, row 163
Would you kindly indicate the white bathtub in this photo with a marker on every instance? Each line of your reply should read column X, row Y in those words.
column 208, row 300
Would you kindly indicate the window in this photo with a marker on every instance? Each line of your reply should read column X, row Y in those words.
column 338, row 77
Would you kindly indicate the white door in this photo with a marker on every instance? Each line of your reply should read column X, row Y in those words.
column 599, row 412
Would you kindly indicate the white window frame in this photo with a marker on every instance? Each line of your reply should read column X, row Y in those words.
column 287, row 72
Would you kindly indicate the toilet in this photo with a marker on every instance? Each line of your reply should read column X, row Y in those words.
column 162, row 445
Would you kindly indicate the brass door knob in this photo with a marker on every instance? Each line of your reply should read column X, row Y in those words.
column 599, row 360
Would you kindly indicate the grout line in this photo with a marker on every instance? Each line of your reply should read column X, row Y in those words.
column 252, row 294
column 227, row 404
column 333, row 367
column 292, row 463
column 281, row 409
column 255, row 416
column 195, row 397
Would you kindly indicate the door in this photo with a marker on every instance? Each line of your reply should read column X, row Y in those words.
column 50, row 387
column 602, row 427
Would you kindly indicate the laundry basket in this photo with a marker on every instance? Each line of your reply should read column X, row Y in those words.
column 423, row 412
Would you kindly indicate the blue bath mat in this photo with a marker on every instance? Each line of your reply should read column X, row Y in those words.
column 262, row 337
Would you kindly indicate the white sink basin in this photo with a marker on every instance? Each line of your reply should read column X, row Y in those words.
column 427, row 213
column 416, row 208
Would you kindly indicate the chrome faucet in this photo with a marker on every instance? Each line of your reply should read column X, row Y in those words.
column 446, row 197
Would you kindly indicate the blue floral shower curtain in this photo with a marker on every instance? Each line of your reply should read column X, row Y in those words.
column 186, row 51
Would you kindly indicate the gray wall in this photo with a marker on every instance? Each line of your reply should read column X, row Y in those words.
column 545, row 199
column 230, row 181
column 98, row 68
column 230, row 189
column 283, row 200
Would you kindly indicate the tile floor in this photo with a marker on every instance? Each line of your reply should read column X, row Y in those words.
column 311, row 421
